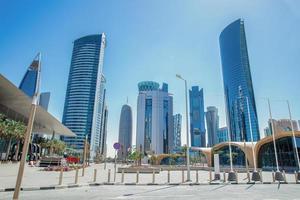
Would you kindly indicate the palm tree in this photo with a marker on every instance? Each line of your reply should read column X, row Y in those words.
column 19, row 136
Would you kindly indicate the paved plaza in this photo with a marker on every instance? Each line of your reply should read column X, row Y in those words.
column 34, row 178
column 207, row 192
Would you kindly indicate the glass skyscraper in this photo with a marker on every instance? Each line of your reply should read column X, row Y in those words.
column 125, row 131
column 197, row 125
column 28, row 84
column 177, row 130
column 154, row 119
column 212, row 125
column 83, row 110
column 238, row 83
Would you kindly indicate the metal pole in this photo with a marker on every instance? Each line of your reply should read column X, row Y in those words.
column 187, row 130
column 229, row 137
column 115, row 165
column 273, row 134
column 294, row 138
column 187, row 135
column 34, row 104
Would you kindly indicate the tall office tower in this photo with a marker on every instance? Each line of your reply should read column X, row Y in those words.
column 197, row 125
column 222, row 134
column 154, row 119
column 125, row 131
column 177, row 130
column 83, row 110
column 212, row 125
column 28, row 84
column 237, row 81
column 281, row 125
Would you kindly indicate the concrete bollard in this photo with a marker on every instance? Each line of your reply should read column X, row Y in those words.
column 76, row 176
column 284, row 176
column 168, row 176
column 273, row 176
column 197, row 176
column 122, row 178
column 182, row 176
column 95, row 175
column 296, row 177
column 237, row 178
column 248, row 176
column 261, row 177
column 108, row 176
column 60, row 176
column 153, row 176
column 137, row 176
column 210, row 176
column 224, row 176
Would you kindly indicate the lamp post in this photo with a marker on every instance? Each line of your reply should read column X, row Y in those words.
column 294, row 138
column 231, row 174
column 35, row 99
column 187, row 131
column 278, row 174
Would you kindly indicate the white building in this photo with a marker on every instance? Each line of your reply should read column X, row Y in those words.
column 154, row 119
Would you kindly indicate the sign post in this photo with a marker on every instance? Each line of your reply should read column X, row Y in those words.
column 116, row 146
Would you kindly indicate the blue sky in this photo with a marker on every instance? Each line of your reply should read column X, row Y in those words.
column 154, row 40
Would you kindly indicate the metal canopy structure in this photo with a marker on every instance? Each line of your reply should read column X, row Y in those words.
column 16, row 104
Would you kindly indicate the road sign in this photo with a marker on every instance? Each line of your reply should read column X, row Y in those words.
column 117, row 146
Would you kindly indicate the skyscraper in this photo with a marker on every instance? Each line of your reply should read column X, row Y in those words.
column 28, row 84
column 212, row 125
column 177, row 130
column 197, row 125
column 222, row 134
column 125, row 131
column 154, row 118
column 83, row 110
column 237, row 81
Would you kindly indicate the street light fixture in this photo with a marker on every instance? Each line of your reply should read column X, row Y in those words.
column 187, row 131
column 294, row 138
column 278, row 174
column 35, row 99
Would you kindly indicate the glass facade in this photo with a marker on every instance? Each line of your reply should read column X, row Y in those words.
column 125, row 131
column 148, row 125
column 286, row 154
column 83, row 110
column 154, row 118
column 197, row 125
column 222, row 134
column 212, row 125
column 237, row 78
column 177, row 130
column 238, row 156
column 28, row 83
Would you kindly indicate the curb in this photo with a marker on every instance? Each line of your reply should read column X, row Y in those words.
column 92, row 184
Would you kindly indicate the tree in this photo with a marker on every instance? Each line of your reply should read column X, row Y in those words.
column 135, row 155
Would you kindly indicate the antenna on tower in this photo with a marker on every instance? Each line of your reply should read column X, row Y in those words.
column 127, row 100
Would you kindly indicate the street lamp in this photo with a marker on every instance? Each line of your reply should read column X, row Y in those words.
column 294, row 138
column 278, row 174
column 187, row 131
column 255, row 173
column 35, row 99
